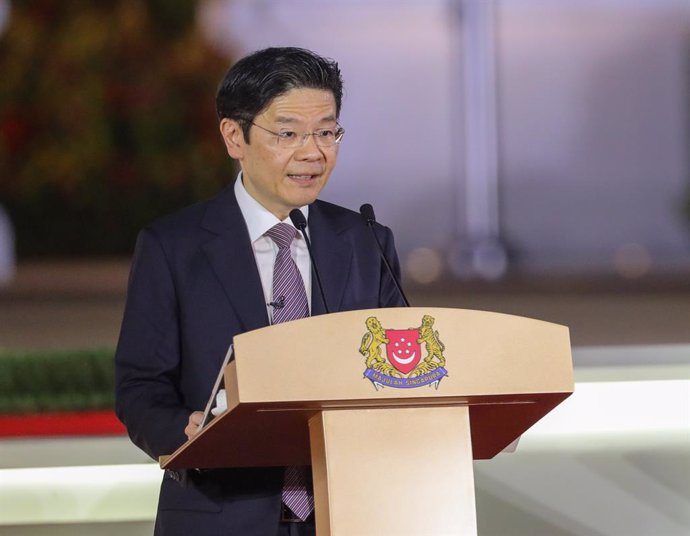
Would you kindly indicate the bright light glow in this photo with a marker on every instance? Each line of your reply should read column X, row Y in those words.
column 424, row 265
column 632, row 261
column 620, row 408
column 79, row 494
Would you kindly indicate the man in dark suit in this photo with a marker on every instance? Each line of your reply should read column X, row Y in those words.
column 205, row 274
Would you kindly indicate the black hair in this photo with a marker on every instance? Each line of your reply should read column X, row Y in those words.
column 254, row 81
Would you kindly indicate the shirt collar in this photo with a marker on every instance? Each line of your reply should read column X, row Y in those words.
column 258, row 218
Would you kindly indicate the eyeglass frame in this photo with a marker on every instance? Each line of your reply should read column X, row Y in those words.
column 339, row 133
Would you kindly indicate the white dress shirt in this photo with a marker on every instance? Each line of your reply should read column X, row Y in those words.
column 259, row 220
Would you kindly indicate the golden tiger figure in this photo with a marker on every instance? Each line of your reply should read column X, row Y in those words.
column 434, row 348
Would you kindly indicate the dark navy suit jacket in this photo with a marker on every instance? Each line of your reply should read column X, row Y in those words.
column 194, row 285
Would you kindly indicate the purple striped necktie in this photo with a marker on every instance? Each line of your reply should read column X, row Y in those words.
column 288, row 290
column 288, row 287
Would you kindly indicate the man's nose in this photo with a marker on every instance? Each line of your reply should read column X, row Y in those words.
column 309, row 149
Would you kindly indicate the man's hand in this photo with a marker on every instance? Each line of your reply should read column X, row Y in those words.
column 193, row 424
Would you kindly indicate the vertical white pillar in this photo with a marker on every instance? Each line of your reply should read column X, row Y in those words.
column 478, row 250
column 7, row 255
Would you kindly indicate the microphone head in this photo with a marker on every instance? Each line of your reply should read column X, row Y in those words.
column 367, row 212
column 298, row 219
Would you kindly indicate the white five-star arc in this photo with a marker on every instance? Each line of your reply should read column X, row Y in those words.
column 398, row 350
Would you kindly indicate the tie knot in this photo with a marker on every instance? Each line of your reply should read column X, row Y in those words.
column 282, row 234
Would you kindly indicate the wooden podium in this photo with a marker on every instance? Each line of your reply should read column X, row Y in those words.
column 389, row 412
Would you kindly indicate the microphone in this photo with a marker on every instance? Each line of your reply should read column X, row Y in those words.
column 299, row 221
column 367, row 212
column 278, row 304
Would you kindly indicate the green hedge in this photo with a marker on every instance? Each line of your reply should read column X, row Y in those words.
column 32, row 382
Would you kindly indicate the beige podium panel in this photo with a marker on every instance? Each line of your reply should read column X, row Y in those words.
column 387, row 404
column 374, row 477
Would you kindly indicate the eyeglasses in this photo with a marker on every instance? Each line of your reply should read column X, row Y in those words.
column 289, row 139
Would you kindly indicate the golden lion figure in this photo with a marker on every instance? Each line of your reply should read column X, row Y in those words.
column 371, row 348
column 434, row 348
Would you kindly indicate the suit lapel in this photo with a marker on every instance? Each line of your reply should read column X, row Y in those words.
column 333, row 257
column 232, row 259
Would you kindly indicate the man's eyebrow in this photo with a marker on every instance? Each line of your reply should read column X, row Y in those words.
column 290, row 120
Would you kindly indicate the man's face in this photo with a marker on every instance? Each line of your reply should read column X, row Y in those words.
column 282, row 179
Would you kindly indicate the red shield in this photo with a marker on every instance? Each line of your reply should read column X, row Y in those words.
column 403, row 350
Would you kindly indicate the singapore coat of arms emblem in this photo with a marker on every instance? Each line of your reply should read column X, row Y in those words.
column 402, row 365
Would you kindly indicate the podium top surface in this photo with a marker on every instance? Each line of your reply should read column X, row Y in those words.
column 509, row 370
column 320, row 358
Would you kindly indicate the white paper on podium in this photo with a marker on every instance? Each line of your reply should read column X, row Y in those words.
column 217, row 393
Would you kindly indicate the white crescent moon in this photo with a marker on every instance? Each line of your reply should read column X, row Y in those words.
column 406, row 361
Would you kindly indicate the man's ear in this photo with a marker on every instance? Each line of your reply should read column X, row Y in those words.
column 232, row 134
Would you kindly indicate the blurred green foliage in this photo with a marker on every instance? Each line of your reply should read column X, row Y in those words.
column 33, row 382
column 107, row 121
